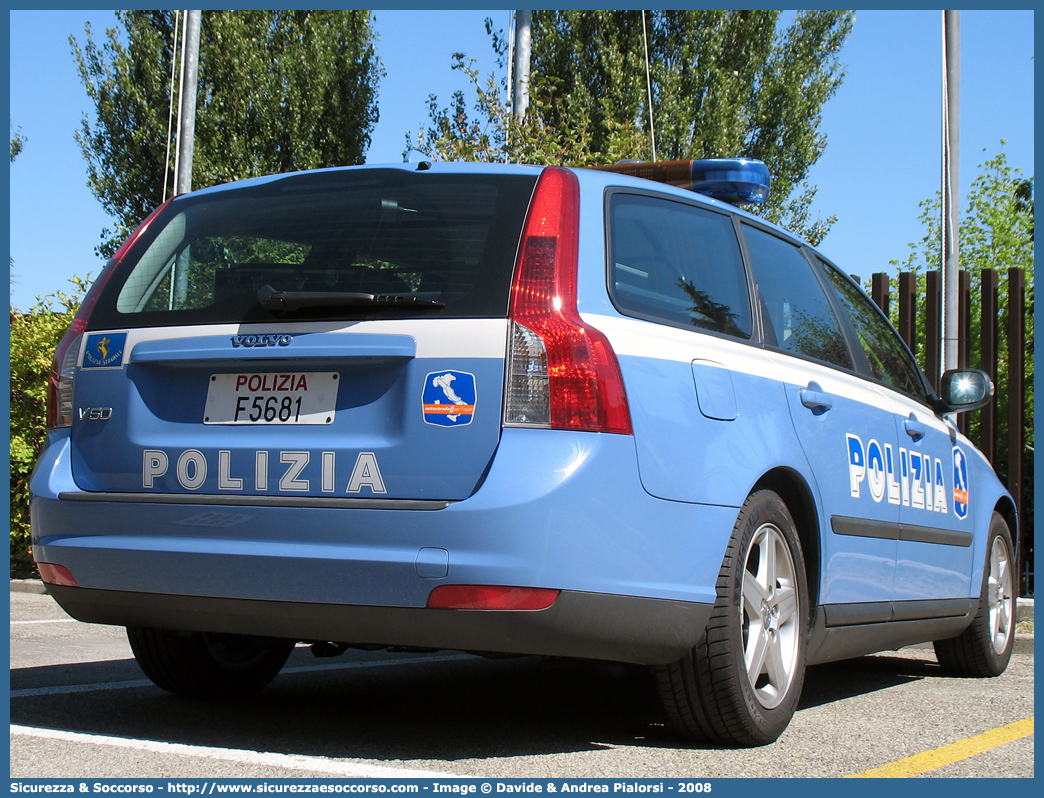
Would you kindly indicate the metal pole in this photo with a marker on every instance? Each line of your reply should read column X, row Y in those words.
column 181, row 98
column 648, row 86
column 951, row 187
column 170, row 105
column 190, row 72
column 186, row 143
column 520, row 64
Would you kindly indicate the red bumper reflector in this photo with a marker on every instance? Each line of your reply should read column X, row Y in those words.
column 488, row 597
column 56, row 574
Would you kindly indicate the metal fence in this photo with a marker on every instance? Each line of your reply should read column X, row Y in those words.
column 990, row 339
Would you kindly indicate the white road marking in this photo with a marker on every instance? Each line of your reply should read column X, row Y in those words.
column 48, row 620
column 294, row 762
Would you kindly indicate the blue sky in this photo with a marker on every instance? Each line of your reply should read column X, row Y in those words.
column 883, row 124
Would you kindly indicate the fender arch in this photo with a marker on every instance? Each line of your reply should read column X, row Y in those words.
column 790, row 486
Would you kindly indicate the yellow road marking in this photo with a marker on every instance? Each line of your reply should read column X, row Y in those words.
column 954, row 752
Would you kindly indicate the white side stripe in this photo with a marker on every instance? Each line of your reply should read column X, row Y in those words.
column 637, row 338
column 293, row 762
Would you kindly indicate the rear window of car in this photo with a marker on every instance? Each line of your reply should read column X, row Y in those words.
column 426, row 244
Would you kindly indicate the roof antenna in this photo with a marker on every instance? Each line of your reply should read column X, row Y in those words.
column 648, row 86
column 414, row 156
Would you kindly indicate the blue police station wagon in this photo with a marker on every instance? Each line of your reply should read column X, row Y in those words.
column 512, row 409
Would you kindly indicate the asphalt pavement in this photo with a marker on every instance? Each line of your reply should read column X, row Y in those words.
column 80, row 707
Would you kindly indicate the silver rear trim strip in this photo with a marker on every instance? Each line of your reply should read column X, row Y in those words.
column 255, row 501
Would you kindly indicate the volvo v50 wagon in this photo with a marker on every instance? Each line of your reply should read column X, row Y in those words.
column 511, row 409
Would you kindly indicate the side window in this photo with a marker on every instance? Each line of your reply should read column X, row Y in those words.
column 796, row 306
column 889, row 361
column 677, row 263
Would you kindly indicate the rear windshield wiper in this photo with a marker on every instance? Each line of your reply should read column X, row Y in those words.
column 290, row 301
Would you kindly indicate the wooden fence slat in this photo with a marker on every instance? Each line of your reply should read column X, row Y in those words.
column 1016, row 402
column 988, row 361
column 908, row 309
column 879, row 291
column 932, row 327
column 963, row 335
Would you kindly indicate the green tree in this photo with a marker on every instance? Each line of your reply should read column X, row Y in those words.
column 17, row 142
column 1024, row 200
column 34, row 336
column 724, row 83
column 493, row 135
column 278, row 91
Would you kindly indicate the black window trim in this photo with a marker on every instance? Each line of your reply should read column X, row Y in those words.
column 759, row 328
column 753, row 297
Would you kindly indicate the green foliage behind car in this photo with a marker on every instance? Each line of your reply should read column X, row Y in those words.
column 34, row 336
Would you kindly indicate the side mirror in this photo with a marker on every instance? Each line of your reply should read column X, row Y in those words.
column 964, row 389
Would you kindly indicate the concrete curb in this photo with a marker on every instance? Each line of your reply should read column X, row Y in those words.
column 28, row 586
column 1024, row 609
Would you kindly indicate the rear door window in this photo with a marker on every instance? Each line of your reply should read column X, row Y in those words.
column 677, row 263
column 799, row 317
column 424, row 243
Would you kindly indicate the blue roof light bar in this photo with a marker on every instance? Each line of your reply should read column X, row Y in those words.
column 739, row 181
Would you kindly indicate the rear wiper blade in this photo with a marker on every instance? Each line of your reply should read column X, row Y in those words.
column 290, row 301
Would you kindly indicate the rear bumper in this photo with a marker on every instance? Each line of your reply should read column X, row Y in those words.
column 619, row 628
column 557, row 510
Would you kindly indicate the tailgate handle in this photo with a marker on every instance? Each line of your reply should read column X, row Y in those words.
column 213, row 349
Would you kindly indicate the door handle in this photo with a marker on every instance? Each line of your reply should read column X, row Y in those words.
column 815, row 399
column 914, row 428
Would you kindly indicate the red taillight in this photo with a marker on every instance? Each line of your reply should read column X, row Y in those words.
column 63, row 367
column 490, row 597
column 53, row 574
column 63, row 372
column 562, row 373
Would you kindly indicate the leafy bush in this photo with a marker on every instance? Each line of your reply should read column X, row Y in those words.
column 34, row 336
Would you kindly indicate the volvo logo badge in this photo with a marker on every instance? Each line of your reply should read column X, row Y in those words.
column 261, row 340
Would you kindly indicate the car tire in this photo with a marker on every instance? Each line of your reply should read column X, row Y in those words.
column 204, row 665
column 984, row 648
column 741, row 683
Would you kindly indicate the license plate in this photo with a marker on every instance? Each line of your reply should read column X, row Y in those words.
column 299, row 398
